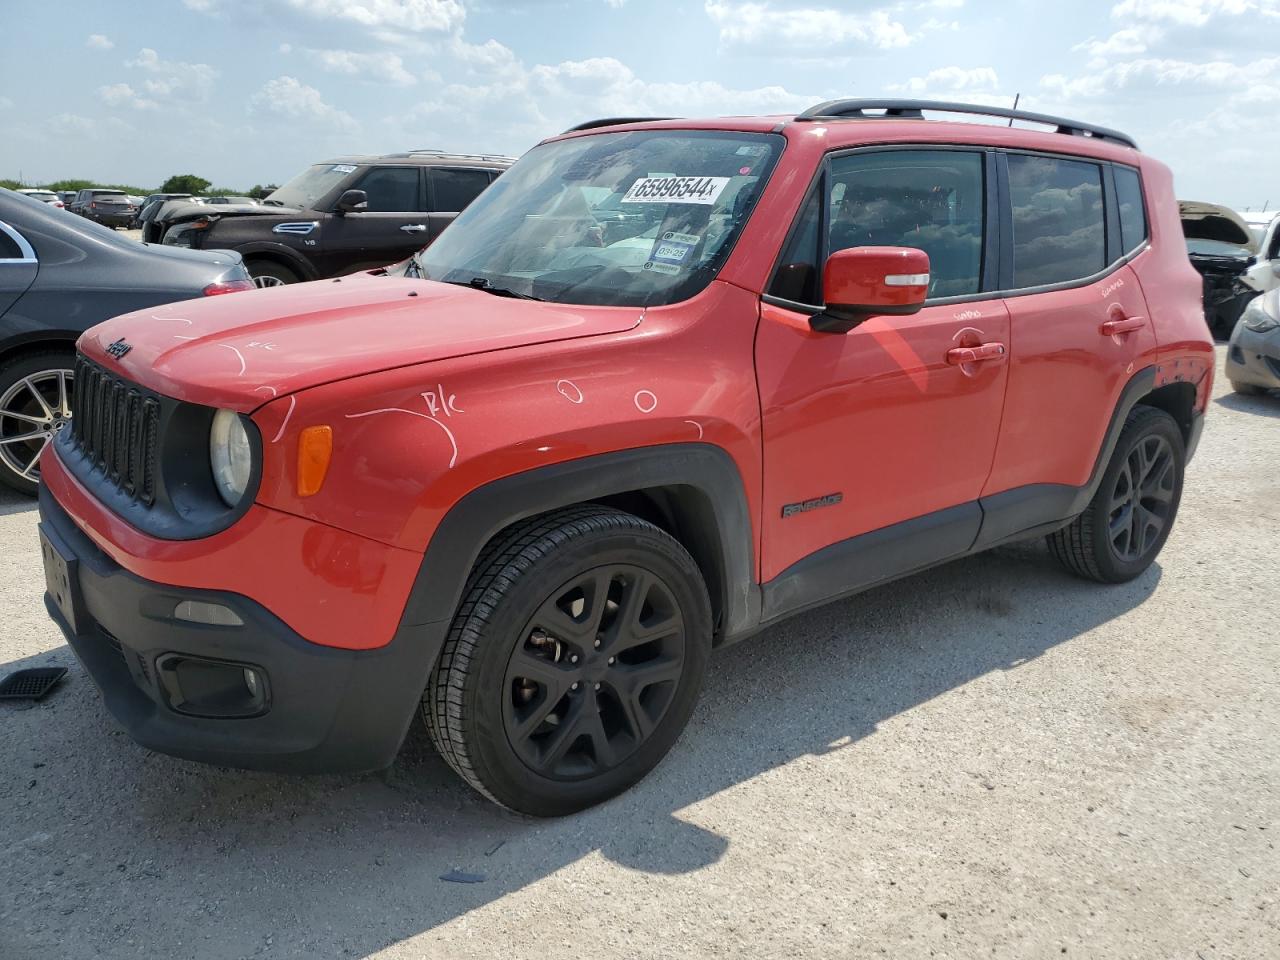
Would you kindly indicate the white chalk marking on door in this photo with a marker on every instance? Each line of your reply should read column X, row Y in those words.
column 698, row 425
column 569, row 390
column 646, row 405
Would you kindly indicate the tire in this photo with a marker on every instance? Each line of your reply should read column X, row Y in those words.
column 1247, row 389
column 22, row 413
column 1130, row 516
column 532, row 741
column 268, row 273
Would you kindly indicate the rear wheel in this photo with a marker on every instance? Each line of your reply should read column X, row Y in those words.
column 35, row 405
column 268, row 273
column 1128, row 520
column 573, row 663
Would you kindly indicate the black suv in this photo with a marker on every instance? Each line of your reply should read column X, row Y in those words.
column 338, row 217
column 111, row 208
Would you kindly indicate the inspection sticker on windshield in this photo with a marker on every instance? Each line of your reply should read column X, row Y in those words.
column 342, row 168
column 668, row 268
column 676, row 190
column 674, row 247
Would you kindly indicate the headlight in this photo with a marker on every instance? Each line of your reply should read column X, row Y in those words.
column 1256, row 318
column 231, row 455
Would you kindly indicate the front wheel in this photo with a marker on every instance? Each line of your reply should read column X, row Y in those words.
column 1247, row 389
column 268, row 273
column 573, row 663
column 1131, row 514
column 35, row 405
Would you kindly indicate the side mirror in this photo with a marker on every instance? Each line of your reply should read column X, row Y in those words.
column 864, row 282
column 351, row 201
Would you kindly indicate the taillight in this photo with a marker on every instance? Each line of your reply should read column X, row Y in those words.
column 227, row 286
column 94, row 205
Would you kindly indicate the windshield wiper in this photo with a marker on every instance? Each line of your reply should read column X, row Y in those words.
column 483, row 283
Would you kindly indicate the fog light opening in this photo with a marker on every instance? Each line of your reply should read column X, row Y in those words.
column 199, row 687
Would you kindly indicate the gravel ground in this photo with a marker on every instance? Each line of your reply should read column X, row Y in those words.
column 988, row 759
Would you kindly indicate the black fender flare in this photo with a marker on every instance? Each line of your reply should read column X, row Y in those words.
column 702, row 471
column 277, row 251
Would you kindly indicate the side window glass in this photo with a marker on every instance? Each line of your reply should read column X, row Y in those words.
column 391, row 189
column 798, row 276
column 932, row 200
column 1133, row 218
column 454, row 189
column 1059, row 227
column 9, row 249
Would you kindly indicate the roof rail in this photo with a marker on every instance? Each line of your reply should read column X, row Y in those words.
column 455, row 156
column 612, row 122
column 913, row 110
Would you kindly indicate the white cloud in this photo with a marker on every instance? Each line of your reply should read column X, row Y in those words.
column 1144, row 76
column 1123, row 43
column 951, row 79
column 123, row 95
column 809, row 28
column 173, row 80
column 384, row 67
column 5, row 103
column 1190, row 13
column 417, row 16
column 286, row 98
column 97, row 41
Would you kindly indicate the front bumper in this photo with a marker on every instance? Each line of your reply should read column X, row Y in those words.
column 1254, row 358
column 329, row 710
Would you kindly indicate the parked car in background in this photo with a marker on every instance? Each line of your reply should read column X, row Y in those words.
column 1253, row 356
column 67, row 197
column 44, row 196
column 337, row 217
column 223, row 201
column 525, row 482
column 60, row 275
column 155, row 215
column 1265, row 227
column 136, row 203
column 111, row 208
column 1223, row 249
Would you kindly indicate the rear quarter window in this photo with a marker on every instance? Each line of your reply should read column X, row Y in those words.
column 1133, row 216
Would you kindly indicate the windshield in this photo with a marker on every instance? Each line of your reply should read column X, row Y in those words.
column 42, row 195
column 625, row 219
column 310, row 185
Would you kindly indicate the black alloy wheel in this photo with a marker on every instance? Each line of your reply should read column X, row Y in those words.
column 574, row 660
column 1142, row 498
column 595, row 672
column 1122, row 530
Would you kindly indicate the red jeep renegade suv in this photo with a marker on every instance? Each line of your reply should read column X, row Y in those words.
column 665, row 383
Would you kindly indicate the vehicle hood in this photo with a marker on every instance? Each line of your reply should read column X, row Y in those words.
column 1212, row 221
column 180, row 213
column 240, row 350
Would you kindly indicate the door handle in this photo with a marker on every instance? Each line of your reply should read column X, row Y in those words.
column 414, row 228
column 1122, row 324
column 983, row 351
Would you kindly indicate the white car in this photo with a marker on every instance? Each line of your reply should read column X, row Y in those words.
column 1265, row 227
column 45, row 196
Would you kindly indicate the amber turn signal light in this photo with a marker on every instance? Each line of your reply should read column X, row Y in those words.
column 315, row 447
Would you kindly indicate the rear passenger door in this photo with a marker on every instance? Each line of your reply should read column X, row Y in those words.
column 450, row 190
column 18, row 266
column 1079, row 327
column 392, row 227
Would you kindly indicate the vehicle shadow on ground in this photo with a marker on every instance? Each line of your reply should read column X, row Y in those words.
column 13, row 502
column 1267, row 405
column 225, row 863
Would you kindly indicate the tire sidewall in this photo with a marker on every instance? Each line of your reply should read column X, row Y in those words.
column 1112, row 567
column 495, row 761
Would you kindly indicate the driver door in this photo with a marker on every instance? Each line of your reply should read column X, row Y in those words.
column 882, row 430
column 394, row 226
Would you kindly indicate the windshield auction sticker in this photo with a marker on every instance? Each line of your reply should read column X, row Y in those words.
column 704, row 190
column 674, row 247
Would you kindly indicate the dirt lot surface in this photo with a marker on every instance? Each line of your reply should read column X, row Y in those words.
column 990, row 759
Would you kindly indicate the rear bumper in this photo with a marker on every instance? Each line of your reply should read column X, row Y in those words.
column 1254, row 358
column 110, row 219
column 327, row 710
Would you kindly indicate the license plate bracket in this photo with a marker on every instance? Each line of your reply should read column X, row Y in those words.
column 61, row 577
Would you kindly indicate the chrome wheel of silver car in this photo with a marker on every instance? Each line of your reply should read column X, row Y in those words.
column 33, row 410
column 265, row 281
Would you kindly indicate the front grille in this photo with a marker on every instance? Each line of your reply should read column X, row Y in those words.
column 115, row 424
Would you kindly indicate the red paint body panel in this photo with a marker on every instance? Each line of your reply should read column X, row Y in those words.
column 878, row 415
column 284, row 339
column 332, row 587
column 433, row 391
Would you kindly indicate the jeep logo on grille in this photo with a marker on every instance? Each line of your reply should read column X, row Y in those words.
column 119, row 348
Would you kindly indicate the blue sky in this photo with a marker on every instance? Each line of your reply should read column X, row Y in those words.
column 250, row 91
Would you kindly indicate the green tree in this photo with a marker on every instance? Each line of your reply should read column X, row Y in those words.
column 185, row 183
column 259, row 192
